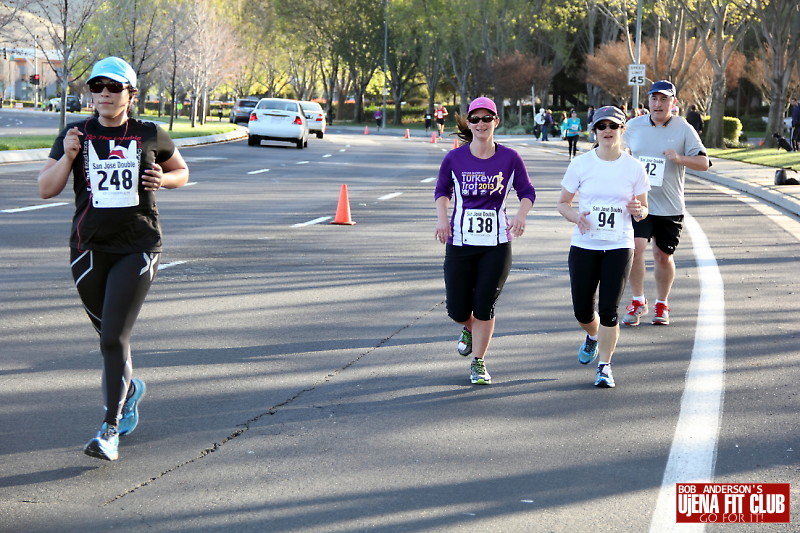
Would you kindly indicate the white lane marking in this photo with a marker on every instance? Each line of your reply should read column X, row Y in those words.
column 694, row 445
column 426, row 180
column 33, row 207
column 342, row 150
column 190, row 184
column 195, row 159
column 310, row 222
column 302, row 163
column 390, row 196
column 327, row 155
column 259, row 171
column 168, row 265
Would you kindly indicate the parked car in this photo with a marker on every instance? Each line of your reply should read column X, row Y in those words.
column 240, row 112
column 278, row 119
column 315, row 117
column 73, row 104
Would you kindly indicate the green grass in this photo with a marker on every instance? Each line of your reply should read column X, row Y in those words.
column 181, row 128
column 770, row 157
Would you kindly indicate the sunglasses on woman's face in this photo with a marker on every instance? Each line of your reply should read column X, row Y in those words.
column 613, row 126
column 112, row 86
column 486, row 118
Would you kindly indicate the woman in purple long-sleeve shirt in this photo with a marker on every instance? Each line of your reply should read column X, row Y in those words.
column 477, row 178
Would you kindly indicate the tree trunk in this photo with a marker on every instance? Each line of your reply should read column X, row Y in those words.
column 714, row 137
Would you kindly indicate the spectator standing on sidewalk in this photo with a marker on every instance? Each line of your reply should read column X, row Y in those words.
column 612, row 188
column 695, row 119
column 794, row 113
column 666, row 145
column 477, row 177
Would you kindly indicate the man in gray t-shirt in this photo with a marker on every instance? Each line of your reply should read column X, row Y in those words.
column 665, row 145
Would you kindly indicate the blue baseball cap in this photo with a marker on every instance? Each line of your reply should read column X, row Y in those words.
column 663, row 87
column 115, row 69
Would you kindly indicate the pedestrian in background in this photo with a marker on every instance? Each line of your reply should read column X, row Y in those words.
column 695, row 119
column 378, row 118
column 611, row 187
column 572, row 132
column 477, row 178
column 538, row 120
column 440, row 113
column 548, row 124
column 562, row 125
column 666, row 145
column 794, row 113
column 589, row 120
column 117, row 164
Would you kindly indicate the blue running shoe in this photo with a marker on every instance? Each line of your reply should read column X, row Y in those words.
column 465, row 342
column 130, row 411
column 588, row 351
column 105, row 444
column 604, row 377
column 478, row 374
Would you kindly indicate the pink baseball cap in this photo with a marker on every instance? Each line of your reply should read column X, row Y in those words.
column 482, row 103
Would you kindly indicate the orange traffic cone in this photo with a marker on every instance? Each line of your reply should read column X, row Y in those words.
column 408, row 134
column 433, row 138
column 366, row 130
column 455, row 143
column 343, row 209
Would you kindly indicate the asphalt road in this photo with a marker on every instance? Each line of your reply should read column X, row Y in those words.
column 303, row 376
column 27, row 122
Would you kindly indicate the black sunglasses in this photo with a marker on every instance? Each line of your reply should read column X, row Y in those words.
column 112, row 86
column 486, row 118
column 613, row 126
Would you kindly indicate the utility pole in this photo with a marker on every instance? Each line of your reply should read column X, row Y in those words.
column 635, row 99
column 385, row 58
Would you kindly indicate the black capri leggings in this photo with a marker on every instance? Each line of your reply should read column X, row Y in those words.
column 607, row 268
column 572, row 144
column 474, row 277
column 112, row 288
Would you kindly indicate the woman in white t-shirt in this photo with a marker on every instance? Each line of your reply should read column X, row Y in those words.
column 611, row 187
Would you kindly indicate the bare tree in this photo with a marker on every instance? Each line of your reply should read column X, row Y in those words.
column 140, row 37
column 779, row 24
column 721, row 25
column 64, row 21
column 514, row 74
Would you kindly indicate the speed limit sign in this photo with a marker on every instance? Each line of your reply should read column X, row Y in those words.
column 636, row 74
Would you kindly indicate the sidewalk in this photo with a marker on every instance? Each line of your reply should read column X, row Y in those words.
column 755, row 180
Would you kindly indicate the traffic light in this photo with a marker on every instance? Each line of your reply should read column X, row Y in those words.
column 34, row 79
column 5, row 54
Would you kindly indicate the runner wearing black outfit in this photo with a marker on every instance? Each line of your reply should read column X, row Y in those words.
column 117, row 163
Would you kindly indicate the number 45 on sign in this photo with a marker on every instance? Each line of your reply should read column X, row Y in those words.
column 636, row 74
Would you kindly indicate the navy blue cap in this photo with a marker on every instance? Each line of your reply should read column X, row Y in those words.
column 663, row 87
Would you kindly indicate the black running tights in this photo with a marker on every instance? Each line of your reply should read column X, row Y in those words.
column 112, row 288
column 607, row 268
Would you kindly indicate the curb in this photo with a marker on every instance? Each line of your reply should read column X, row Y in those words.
column 769, row 194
